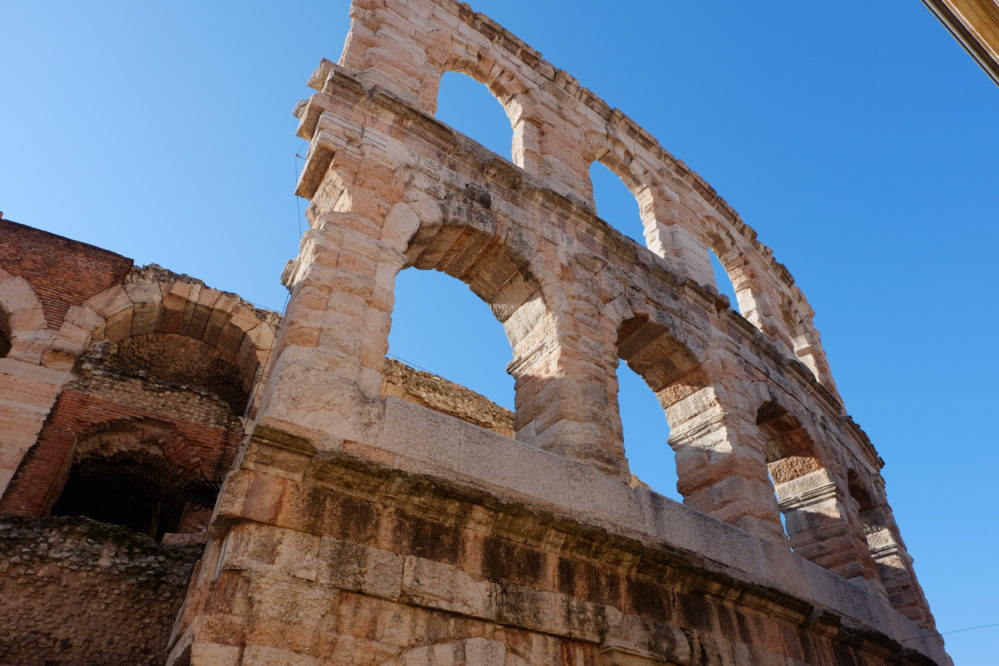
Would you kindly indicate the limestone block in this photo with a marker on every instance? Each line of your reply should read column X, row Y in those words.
column 351, row 566
column 439, row 585
column 216, row 654
column 260, row 655
column 16, row 294
column 417, row 432
column 83, row 317
column 72, row 339
column 317, row 393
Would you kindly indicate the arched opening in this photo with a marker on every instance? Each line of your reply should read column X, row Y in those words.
column 444, row 333
column 667, row 367
column 123, row 492
column 723, row 282
column 470, row 246
column 866, row 508
column 615, row 203
column 469, row 107
column 138, row 474
column 794, row 471
column 4, row 338
column 188, row 360
column 645, row 432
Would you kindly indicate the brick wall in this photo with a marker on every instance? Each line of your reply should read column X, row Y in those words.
column 40, row 479
column 63, row 272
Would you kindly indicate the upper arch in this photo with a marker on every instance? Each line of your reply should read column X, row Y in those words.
column 241, row 334
column 22, row 320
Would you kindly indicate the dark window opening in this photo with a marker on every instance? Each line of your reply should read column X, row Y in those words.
column 870, row 515
column 130, row 493
column 4, row 344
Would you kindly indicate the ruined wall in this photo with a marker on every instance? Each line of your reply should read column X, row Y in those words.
column 75, row 591
column 162, row 388
column 378, row 515
column 439, row 394
column 366, row 524
column 122, row 395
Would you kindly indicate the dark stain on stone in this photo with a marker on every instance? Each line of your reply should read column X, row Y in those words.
column 358, row 521
column 566, row 576
column 504, row 560
column 428, row 539
column 647, row 599
column 696, row 610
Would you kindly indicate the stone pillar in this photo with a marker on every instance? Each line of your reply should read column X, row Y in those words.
column 567, row 383
column 33, row 370
column 383, row 51
column 720, row 467
column 894, row 563
column 325, row 381
column 817, row 523
column 668, row 233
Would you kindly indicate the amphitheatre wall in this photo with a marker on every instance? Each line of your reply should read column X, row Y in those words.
column 351, row 510
column 361, row 528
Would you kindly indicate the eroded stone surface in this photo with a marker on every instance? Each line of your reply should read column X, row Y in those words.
column 375, row 514
column 75, row 591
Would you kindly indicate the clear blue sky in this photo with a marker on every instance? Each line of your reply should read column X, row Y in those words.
column 857, row 137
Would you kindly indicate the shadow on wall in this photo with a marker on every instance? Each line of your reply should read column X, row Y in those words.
column 4, row 334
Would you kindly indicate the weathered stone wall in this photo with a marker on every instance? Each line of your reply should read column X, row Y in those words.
column 62, row 272
column 122, row 395
column 117, row 344
column 755, row 421
column 75, row 591
column 380, row 515
column 329, row 558
column 441, row 395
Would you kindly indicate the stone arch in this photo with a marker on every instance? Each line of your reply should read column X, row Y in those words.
column 23, row 328
column 636, row 176
column 140, row 473
column 467, row 652
column 506, row 85
column 465, row 241
column 894, row 568
column 184, row 335
column 752, row 301
column 719, row 468
column 29, row 356
column 668, row 367
column 807, row 481
column 503, row 83
column 799, row 478
column 163, row 311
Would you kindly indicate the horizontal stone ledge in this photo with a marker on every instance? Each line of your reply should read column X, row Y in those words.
column 424, row 440
column 448, row 586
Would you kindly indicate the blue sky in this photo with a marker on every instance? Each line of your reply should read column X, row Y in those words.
column 857, row 138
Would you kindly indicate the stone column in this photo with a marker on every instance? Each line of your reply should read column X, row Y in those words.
column 817, row 523
column 887, row 549
column 720, row 466
column 325, row 381
column 567, row 385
